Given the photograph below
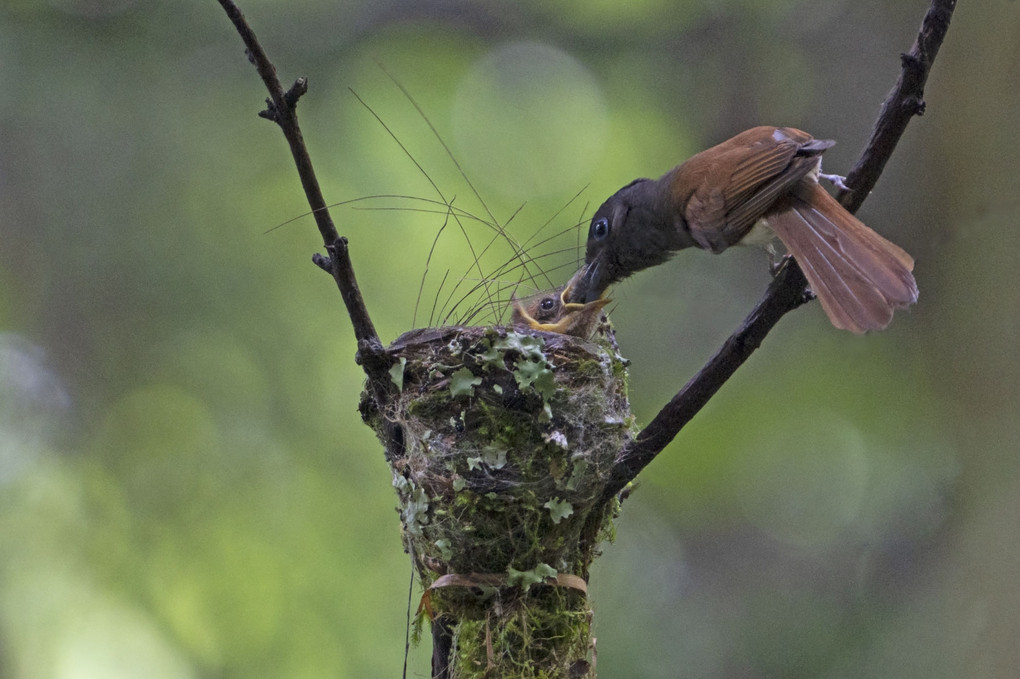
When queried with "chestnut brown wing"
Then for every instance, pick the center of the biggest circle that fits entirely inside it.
(726, 189)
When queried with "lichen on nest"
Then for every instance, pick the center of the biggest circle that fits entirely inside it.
(506, 440)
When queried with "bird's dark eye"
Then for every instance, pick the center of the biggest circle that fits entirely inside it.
(599, 229)
(547, 304)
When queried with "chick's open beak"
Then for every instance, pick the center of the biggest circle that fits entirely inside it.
(551, 311)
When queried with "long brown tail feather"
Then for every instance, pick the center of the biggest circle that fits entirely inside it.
(860, 278)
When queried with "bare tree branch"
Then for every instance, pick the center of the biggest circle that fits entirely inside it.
(901, 104)
(281, 109)
(788, 290)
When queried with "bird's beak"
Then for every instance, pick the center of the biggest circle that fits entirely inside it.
(586, 286)
(571, 293)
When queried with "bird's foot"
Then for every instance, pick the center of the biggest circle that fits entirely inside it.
(838, 181)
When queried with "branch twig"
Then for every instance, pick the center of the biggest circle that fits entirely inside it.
(787, 291)
(281, 109)
(901, 104)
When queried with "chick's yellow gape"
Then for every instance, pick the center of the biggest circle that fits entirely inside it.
(550, 311)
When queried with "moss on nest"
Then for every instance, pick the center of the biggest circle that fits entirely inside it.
(505, 442)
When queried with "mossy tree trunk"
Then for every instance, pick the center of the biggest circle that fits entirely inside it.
(501, 445)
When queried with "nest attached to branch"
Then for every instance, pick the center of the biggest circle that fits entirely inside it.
(500, 444)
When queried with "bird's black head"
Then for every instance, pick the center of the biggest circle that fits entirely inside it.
(626, 234)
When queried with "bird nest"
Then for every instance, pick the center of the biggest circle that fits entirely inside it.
(500, 444)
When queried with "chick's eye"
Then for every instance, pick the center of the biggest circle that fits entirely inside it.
(547, 304)
(599, 229)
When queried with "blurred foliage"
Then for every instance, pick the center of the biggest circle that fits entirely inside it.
(186, 489)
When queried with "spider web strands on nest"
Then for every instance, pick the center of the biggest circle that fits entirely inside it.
(500, 229)
(506, 288)
(479, 293)
(498, 307)
(522, 259)
(428, 178)
(351, 202)
(498, 302)
(515, 263)
(533, 274)
(494, 300)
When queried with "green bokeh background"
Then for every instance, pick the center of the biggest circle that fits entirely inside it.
(186, 489)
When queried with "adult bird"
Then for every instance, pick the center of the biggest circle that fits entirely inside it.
(762, 182)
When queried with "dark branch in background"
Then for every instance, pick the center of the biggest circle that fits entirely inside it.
(901, 104)
(281, 109)
(788, 290)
